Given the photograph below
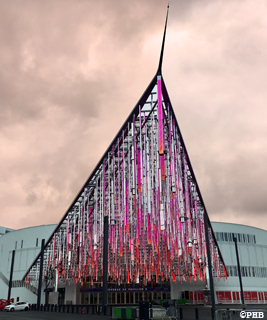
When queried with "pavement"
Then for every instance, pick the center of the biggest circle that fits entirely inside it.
(42, 315)
(204, 313)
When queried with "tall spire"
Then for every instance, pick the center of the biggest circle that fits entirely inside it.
(145, 183)
(162, 46)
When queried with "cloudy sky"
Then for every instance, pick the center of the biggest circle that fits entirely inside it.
(72, 70)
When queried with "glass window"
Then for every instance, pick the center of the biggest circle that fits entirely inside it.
(254, 238)
(228, 270)
(235, 271)
(36, 242)
(100, 298)
(239, 237)
(226, 236)
(21, 244)
(230, 237)
(109, 297)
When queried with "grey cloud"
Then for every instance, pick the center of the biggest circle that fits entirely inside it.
(71, 71)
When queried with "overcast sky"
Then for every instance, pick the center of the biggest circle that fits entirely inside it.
(72, 70)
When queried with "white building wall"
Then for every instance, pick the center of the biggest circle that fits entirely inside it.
(72, 293)
(250, 255)
(26, 246)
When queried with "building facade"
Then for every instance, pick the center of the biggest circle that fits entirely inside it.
(27, 244)
(252, 249)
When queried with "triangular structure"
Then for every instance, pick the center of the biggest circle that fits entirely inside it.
(146, 186)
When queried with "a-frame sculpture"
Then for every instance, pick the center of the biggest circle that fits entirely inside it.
(146, 186)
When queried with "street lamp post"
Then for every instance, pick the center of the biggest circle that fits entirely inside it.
(11, 275)
(40, 275)
(105, 267)
(209, 266)
(238, 268)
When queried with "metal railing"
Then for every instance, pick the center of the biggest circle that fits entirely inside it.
(19, 284)
(71, 308)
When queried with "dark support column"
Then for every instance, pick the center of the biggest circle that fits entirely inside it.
(239, 271)
(181, 313)
(40, 275)
(105, 268)
(196, 314)
(209, 266)
(11, 274)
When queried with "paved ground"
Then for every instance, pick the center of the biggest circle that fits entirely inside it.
(36, 315)
(188, 313)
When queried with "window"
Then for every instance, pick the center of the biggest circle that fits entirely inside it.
(16, 245)
(36, 242)
(257, 272)
(21, 244)
(254, 238)
(235, 271)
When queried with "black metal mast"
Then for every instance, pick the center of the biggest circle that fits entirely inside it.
(159, 71)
